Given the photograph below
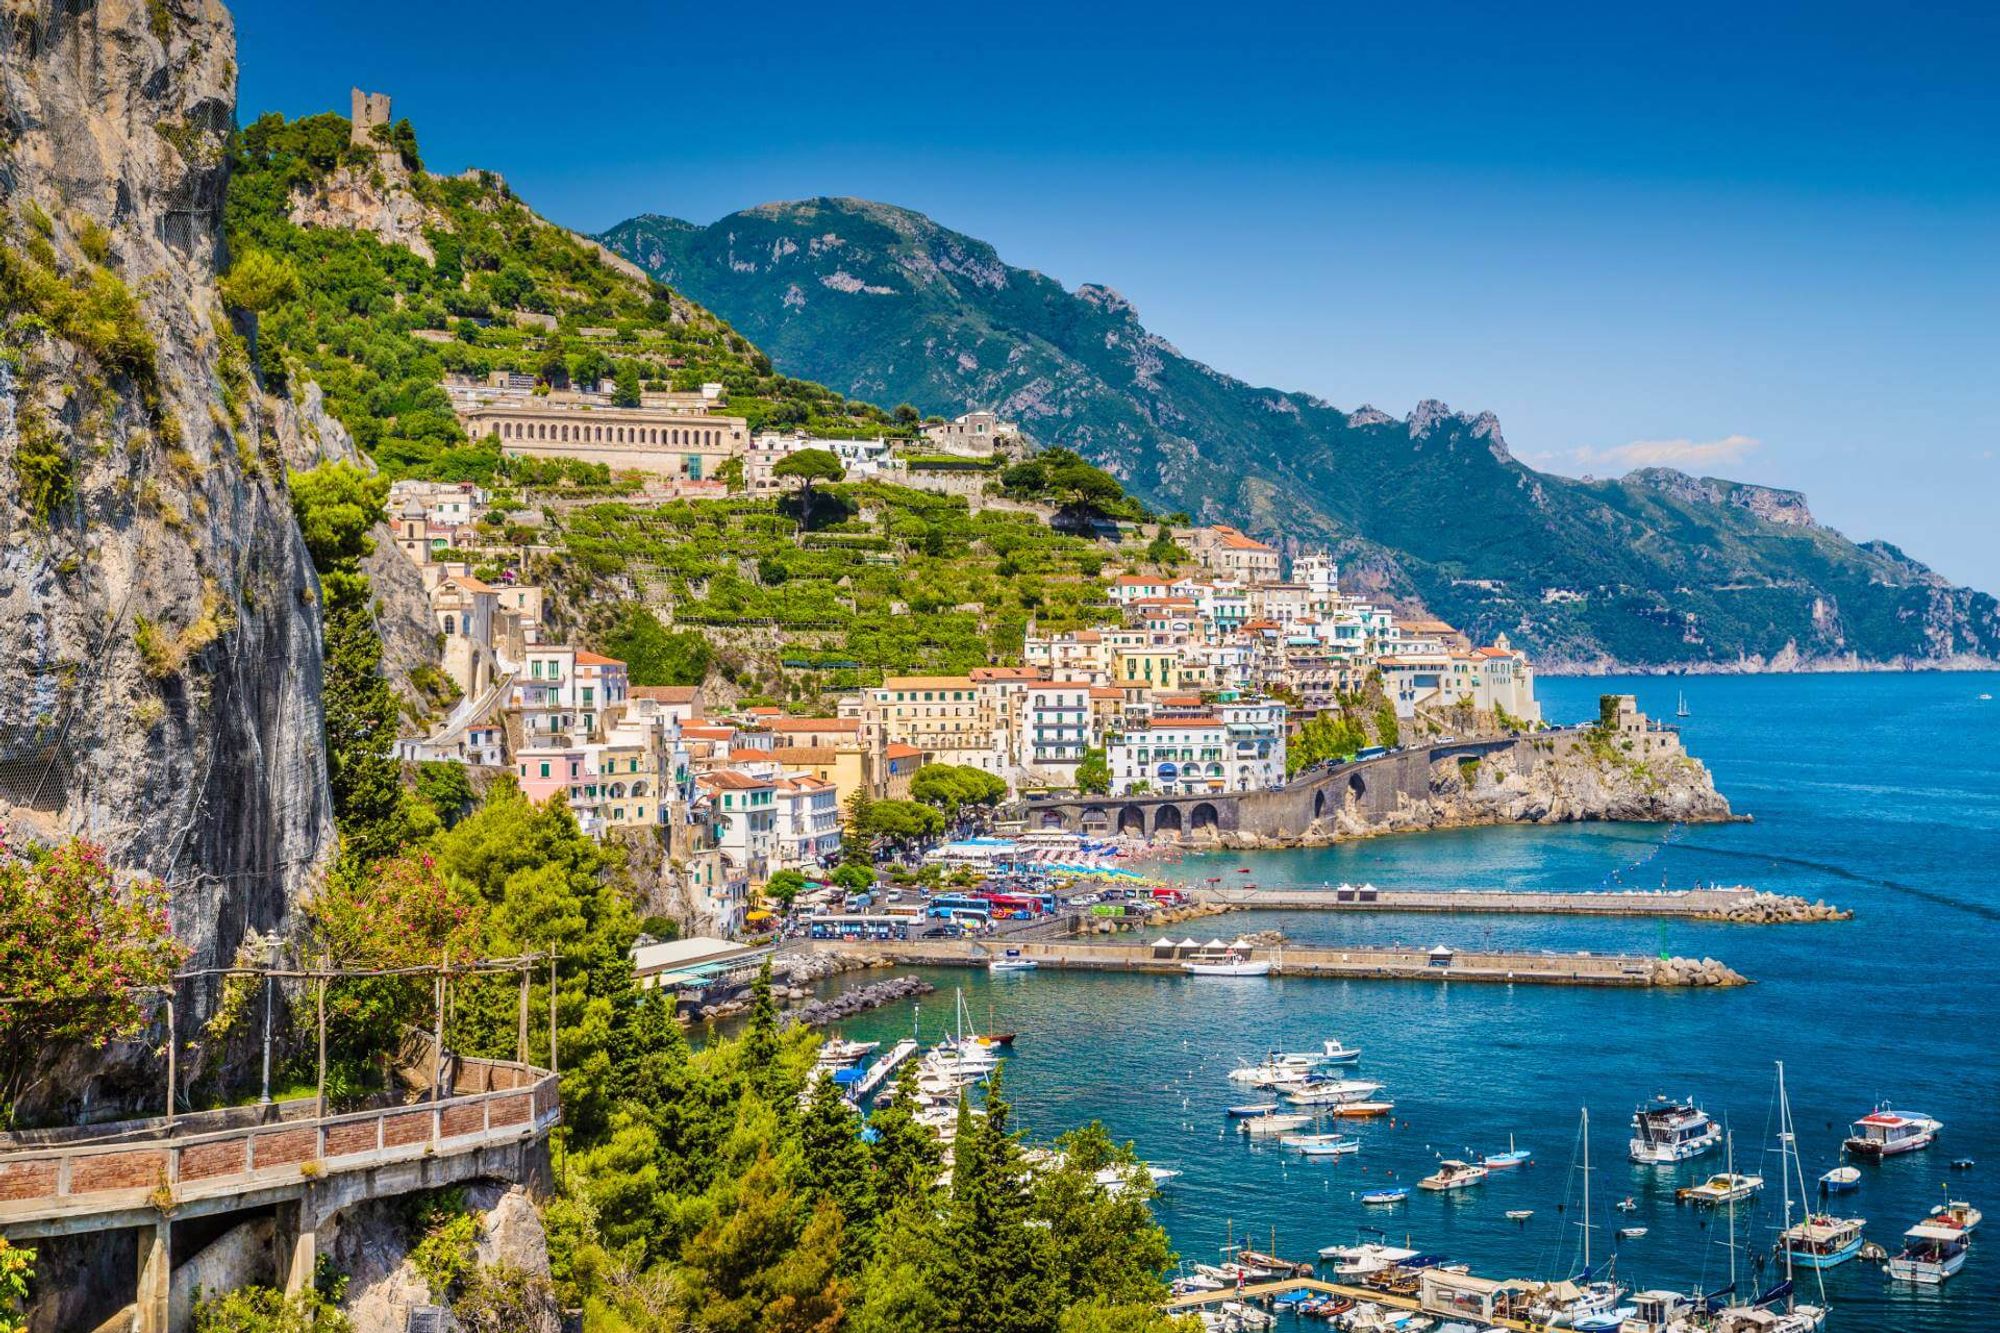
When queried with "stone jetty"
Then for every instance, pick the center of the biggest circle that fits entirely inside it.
(1695, 972)
(1775, 908)
(818, 1013)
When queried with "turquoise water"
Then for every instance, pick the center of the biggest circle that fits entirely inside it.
(1880, 793)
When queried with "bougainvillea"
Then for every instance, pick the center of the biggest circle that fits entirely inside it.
(399, 912)
(78, 953)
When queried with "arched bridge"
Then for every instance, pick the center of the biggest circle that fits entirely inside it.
(1375, 786)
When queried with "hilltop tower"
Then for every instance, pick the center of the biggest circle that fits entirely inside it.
(369, 110)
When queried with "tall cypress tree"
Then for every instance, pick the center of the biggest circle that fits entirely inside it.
(905, 1154)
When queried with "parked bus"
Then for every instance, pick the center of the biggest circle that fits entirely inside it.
(861, 926)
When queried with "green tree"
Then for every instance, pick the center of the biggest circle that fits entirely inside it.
(784, 886)
(337, 506)
(808, 467)
(625, 393)
(833, 1164)
(656, 655)
(906, 1154)
(998, 1282)
(907, 415)
(1093, 772)
(855, 876)
(259, 280)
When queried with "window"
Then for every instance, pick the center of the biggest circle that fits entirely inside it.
(545, 770)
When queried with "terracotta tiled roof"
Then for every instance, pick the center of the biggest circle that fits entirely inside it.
(667, 694)
(804, 754)
(901, 751)
(596, 659)
(785, 724)
(731, 779)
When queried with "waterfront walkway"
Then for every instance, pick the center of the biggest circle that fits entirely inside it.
(1416, 964)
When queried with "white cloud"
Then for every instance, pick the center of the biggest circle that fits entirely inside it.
(1666, 453)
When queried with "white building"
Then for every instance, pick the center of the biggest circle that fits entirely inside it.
(806, 826)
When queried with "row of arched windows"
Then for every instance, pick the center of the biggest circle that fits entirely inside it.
(564, 432)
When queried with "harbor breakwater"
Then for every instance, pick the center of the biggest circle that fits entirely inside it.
(1390, 963)
(1736, 904)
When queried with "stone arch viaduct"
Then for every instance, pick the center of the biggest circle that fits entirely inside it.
(1376, 786)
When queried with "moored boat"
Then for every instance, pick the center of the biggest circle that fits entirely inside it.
(1231, 964)
(1821, 1240)
(1453, 1174)
(1396, 1194)
(1012, 961)
(1367, 1257)
(1665, 1131)
(1723, 1187)
(1332, 1091)
(1505, 1161)
(1631, 1233)
(1321, 1145)
(1248, 1109)
(1956, 1213)
(1840, 1180)
(1884, 1132)
(1930, 1254)
(1279, 1123)
(1519, 1214)
(1360, 1110)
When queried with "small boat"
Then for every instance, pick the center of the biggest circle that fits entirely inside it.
(1332, 1091)
(1360, 1110)
(1453, 1174)
(1665, 1131)
(1631, 1233)
(1628, 1204)
(1519, 1214)
(1930, 1254)
(1269, 1074)
(1840, 1180)
(1504, 1161)
(1248, 1109)
(1726, 1187)
(1957, 1213)
(1821, 1241)
(1321, 1145)
(1272, 1124)
(1396, 1195)
(1011, 962)
(1887, 1133)
(1961, 1163)
(1369, 1257)
(838, 1052)
(1681, 707)
(1230, 967)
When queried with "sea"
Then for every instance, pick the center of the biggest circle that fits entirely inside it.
(1876, 792)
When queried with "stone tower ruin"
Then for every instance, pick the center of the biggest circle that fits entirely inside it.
(369, 110)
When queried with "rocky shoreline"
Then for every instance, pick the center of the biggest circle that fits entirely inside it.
(1696, 972)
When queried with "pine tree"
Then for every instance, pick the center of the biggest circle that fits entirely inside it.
(999, 1281)
(833, 1165)
(906, 1154)
(760, 1040)
(361, 720)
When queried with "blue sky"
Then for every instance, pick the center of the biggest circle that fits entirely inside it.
(1755, 241)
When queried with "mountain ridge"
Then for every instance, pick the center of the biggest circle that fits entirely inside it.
(1658, 569)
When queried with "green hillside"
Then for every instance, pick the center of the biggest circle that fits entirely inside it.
(1657, 568)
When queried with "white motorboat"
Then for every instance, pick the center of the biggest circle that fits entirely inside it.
(1011, 963)
(1231, 966)
(1957, 1213)
(1323, 1091)
(1270, 1074)
(1930, 1254)
(1115, 1180)
(1321, 1145)
(1356, 1260)
(1453, 1174)
(1260, 1126)
(838, 1052)
(1330, 1052)
(1886, 1133)
(1724, 1187)
(1665, 1131)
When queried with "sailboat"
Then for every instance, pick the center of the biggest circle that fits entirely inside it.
(1764, 1314)
(1681, 708)
(1585, 1302)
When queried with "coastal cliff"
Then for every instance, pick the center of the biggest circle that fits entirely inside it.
(160, 681)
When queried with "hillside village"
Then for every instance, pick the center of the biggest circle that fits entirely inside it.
(1194, 681)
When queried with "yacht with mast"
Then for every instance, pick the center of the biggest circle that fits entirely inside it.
(1585, 1302)
(1779, 1309)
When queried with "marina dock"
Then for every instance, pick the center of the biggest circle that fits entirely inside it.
(879, 1072)
(1264, 1291)
(1737, 903)
(1396, 964)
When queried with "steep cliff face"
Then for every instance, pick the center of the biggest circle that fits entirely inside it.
(159, 624)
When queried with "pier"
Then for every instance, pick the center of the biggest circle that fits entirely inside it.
(878, 1073)
(1735, 904)
(1379, 964)
(1266, 1291)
